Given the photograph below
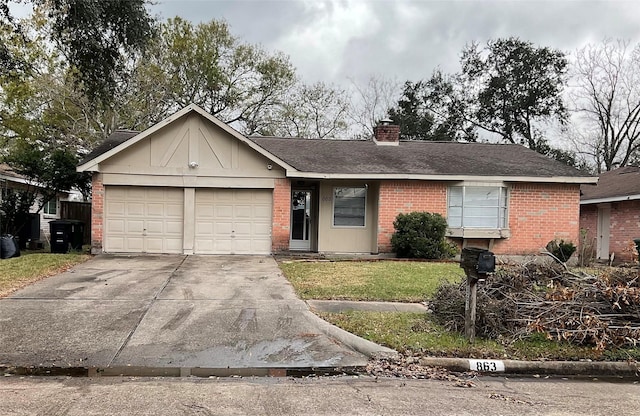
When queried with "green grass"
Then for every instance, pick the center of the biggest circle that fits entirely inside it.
(380, 280)
(21, 271)
(417, 333)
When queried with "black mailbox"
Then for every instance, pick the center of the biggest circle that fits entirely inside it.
(477, 261)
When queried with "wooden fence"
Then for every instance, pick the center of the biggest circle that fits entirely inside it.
(73, 210)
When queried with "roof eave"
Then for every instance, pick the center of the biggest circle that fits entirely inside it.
(610, 199)
(434, 177)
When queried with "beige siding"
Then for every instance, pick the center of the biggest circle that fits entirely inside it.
(346, 239)
(194, 151)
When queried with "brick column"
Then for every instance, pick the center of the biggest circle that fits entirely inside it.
(97, 212)
(281, 220)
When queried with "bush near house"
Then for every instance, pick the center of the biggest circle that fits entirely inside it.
(421, 235)
(562, 250)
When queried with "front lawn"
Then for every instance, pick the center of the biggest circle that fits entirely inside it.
(397, 281)
(418, 333)
(21, 271)
(413, 333)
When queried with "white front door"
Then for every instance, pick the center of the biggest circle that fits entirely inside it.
(604, 216)
(300, 220)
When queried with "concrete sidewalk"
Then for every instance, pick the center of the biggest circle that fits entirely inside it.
(336, 306)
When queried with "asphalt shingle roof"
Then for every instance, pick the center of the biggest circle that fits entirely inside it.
(414, 157)
(117, 137)
(616, 183)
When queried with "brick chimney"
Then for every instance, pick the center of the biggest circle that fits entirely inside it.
(386, 134)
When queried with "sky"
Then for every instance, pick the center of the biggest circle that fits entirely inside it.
(337, 40)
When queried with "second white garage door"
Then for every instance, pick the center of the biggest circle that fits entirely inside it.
(233, 221)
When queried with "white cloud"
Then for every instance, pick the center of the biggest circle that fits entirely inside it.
(317, 43)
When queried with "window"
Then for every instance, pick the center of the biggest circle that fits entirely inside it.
(477, 207)
(349, 205)
(51, 207)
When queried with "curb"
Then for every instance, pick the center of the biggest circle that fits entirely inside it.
(531, 368)
(361, 345)
(135, 371)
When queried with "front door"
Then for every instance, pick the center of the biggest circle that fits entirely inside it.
(604, 222)
(300, 220)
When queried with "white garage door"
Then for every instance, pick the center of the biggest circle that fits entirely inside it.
(233, 221)
(143, 219)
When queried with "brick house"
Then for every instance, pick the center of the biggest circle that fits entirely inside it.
(610, 213)
(191, 184)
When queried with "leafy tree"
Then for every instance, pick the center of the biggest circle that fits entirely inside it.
(508, 88)
(48, 169)
(206, 65)
(607, 101)
(44, 101)
(518, 87)
(91, 33)
(310, 111)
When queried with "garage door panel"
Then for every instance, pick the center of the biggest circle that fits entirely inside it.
(143, 219)
(134, 244)
(155, 210)
(115, 226)
(116, 208)
(240, 222)
(174, 227)
(174, 210)
(223, 211)
(262, 230)
(222, 228)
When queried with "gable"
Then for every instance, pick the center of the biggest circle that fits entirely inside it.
(190, 145)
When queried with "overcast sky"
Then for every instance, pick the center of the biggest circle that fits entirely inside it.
(404, 39)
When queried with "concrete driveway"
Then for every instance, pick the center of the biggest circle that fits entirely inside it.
(170, 311)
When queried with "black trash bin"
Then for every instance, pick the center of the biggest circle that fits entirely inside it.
(66, 235)
(637, 241)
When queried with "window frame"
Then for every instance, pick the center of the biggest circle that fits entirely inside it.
(333, 206)
(502, 217)
(46, 207)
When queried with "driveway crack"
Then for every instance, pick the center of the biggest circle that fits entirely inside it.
(144, 313)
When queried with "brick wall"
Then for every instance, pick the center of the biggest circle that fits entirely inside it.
(97, 212)
(624, 228)
(406, 196)
(281, 222)
(539, 213)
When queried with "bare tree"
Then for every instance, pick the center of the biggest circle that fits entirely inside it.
(371, 102)
(315, 111)
(607, 102)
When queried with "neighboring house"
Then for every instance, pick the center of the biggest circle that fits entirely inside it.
(610, 213)
(10, 182)
(192, 184)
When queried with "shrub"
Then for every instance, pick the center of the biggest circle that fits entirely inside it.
(563, 250)
(421, 235)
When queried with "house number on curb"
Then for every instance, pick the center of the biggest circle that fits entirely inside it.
(486, 366)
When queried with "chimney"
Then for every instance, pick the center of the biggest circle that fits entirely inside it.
(386, 134)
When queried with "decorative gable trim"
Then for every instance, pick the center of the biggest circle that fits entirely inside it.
(93, 164)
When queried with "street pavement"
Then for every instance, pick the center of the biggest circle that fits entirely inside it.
(314, 396)
(182, 312)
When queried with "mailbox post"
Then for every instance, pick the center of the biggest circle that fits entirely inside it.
(477, 263)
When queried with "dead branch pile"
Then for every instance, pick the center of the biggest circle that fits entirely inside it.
(600, 310)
